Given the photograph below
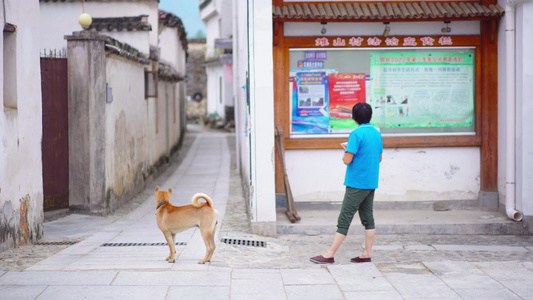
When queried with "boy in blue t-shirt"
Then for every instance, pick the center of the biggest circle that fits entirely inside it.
(362, 156)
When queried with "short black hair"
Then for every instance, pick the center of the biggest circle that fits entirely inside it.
(362, 113)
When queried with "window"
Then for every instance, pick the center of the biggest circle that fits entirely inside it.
(412, 91)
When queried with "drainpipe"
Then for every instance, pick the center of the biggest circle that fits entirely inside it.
(510, 163)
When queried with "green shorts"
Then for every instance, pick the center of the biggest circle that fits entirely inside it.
(356, 200)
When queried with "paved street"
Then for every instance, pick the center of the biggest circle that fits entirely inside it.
(120, 256)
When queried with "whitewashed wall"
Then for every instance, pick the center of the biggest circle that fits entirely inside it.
(524, 107)
(262, 114)
(171, 51)
(21, 183)
(165, 112)
(139, 40)
(240, 68)
(127, 128)
(210, 17)
(215, 89)
(417, 174)
(140, 133)
(61, 18)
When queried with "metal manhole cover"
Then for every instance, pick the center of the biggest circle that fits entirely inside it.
(243, 242)
(139, 244)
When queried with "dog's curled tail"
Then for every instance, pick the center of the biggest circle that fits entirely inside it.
(199, 196)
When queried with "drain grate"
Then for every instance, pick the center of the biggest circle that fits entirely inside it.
(243, 242)
(55, 243)
(139, 244)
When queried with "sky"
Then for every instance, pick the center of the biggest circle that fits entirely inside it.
(188, 12)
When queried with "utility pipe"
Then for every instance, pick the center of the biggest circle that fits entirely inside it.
(510, 160)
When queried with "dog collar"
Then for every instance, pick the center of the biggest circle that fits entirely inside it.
(161, 204)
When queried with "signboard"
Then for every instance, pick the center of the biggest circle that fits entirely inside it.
(422, 90)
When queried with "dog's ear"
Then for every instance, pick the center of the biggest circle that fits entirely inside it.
(157, 189)
(169, 190)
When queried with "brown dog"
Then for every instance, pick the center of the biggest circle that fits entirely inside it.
(174, 219)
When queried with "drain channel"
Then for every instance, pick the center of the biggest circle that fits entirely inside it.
(55, 243)
(139, 244)
(243, 242)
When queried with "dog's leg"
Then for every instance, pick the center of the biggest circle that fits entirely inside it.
(170, 241)
(207, 235)
(174, 242)
(213, 246)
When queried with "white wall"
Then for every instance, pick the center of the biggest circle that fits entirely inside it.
(127, 127)
(139, 40)
(61, 18)
(524, 107)
(413, 174)
(240, 68)
(140, 133)
(215, 76)
(21, 183)
(171, 51)
(262, 111)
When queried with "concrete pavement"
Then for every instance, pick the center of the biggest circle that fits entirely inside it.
(120, 256)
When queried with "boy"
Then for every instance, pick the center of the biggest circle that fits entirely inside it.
(362, 156)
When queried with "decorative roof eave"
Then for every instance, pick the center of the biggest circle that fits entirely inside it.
(136, 23)
(386, 12)
(125, 50)
(171, 20)
(166, 72)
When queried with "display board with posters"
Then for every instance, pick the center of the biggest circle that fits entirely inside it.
(422, 90)
(411, 91)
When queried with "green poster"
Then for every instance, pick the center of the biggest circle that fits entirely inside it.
(422, 90)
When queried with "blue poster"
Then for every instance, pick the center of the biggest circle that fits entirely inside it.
(310, 103)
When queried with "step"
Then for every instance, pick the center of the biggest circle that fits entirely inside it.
(405, 221)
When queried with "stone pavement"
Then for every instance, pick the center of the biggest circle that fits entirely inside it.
(132, 264)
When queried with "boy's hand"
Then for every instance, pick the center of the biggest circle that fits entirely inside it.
(344, 145)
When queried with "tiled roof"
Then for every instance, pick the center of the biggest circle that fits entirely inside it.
(385, 11)
(98, 0)
(171, 20)
(167, 73)
(138, 23)
(125, 50)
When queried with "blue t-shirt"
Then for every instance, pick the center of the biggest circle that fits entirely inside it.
(366, 145)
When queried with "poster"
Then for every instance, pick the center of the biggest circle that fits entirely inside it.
(310, 102)
(345, 90)
(422, 90)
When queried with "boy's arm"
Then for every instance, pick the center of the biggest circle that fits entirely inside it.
(347, 158)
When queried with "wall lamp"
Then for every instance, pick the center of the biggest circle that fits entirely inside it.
(386, 30)
(446, 28)
(324, 30)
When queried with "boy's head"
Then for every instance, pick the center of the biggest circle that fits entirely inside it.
(362, 113)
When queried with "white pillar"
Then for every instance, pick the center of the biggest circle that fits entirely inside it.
(262, 191)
